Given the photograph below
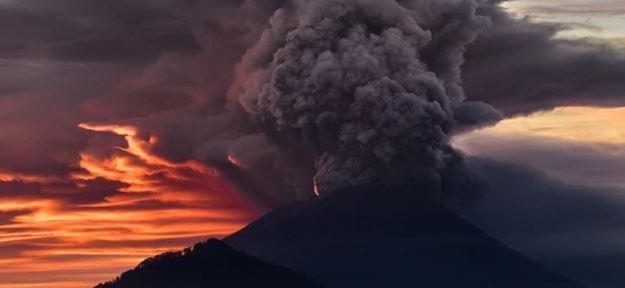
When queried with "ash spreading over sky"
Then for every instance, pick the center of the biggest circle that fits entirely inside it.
(369, 92)
(342, 92)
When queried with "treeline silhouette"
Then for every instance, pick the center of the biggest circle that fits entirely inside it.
(210, 264)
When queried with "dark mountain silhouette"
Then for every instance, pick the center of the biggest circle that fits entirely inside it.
(358, 238)
(353, 238)
(211, 264)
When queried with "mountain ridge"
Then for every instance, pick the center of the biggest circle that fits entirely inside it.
(211, 263)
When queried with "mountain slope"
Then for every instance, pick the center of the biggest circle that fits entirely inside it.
(209, 264)
(395, 239)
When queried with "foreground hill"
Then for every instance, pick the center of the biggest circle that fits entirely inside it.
(393, 239)
(211, 264)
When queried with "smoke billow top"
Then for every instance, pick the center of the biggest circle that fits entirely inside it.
(366, 90)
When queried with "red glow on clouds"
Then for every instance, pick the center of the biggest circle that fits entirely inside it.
(316, 188)
(160, 205)
(236, 162)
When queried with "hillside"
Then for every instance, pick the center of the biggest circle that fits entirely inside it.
(209, 264)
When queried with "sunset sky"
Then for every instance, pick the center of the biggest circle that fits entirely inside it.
(119, 205)
(110, 152)
(575, 143)
(600, 18)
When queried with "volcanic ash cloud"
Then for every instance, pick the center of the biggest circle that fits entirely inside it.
(366, 89)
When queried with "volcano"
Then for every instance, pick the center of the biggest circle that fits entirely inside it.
(364, 238)
(367, 238)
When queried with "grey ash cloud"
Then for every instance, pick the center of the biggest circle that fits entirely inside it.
(367, 88)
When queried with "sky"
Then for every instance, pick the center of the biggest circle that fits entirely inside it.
(595, 19)
(579, 144)
(115, 209)
(571, 143)
(115, 145)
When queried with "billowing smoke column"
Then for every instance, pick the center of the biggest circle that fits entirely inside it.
(366, 90)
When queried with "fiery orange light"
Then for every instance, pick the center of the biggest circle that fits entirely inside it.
(141, 148)
(316, 188)
(18, 177)
(163, 205)
(236, 162)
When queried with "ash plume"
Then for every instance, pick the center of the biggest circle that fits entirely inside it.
(302, 102)
(366, 91)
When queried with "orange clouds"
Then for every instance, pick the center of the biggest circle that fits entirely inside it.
(156, 205)
(141, 148)
(18, 177)
(136, 166)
